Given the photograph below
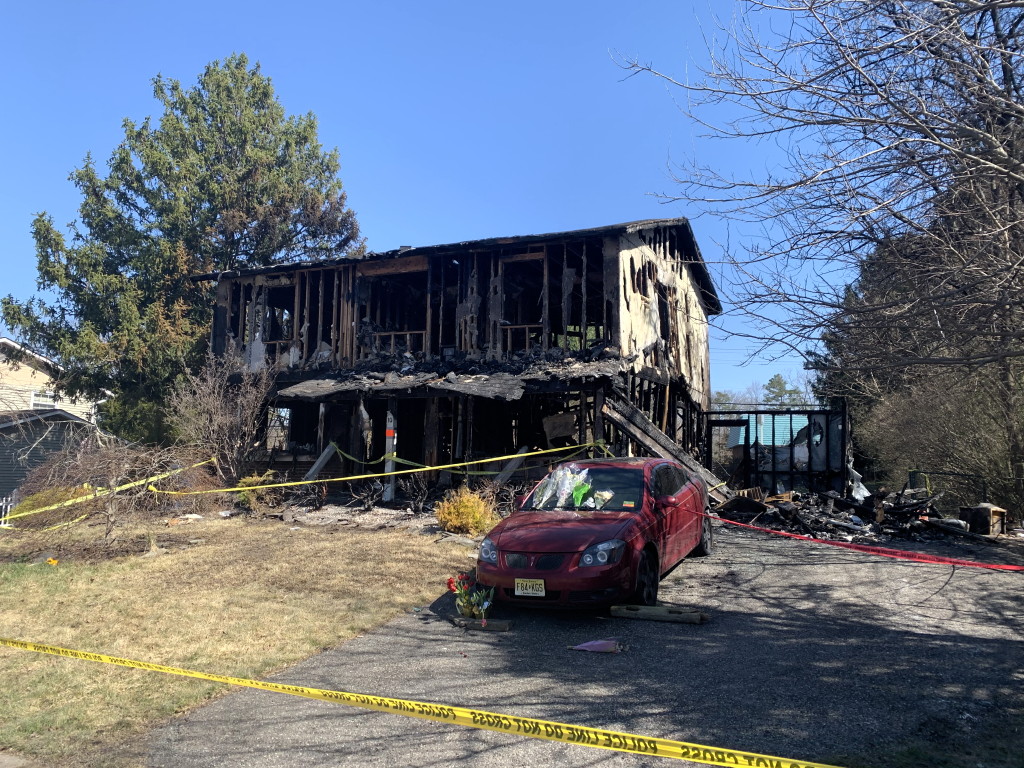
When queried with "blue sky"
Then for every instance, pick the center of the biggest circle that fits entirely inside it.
(453, 120)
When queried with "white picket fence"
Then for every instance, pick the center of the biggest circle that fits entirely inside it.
(6, 503)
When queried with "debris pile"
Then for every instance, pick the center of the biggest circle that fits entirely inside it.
(909, 514)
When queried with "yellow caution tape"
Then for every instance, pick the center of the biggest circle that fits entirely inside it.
(350, 457)
(474, 718)
(394, 457)
(69, 523)
(97, 493)
(424, 467)
(370, 475)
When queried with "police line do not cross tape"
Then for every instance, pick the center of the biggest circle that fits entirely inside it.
(474, 718)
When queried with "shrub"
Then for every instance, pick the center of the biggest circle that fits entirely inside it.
(220, 411)
(465, 511)
(255, 499)
(48, 498)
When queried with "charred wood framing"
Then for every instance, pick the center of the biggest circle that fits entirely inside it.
(781, 450)
(482, 347)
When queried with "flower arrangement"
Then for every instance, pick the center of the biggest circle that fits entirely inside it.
(471, 599)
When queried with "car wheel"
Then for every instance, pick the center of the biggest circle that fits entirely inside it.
(647, 579)
(706, 545)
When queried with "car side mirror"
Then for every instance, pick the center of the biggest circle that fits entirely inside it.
(666, 501)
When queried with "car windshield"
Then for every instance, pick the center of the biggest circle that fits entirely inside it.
(572, 487)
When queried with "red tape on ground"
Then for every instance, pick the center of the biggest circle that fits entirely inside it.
(898, 554)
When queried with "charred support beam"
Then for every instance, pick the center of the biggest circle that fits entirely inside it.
(510, 467)
(665, 398)
(546, 320)
(599, 415)
(302, 324)
(430, 434)
(581, 436)
(362, 431)
(320, 463)
(428, 338)
(321, 439)
(459, 452)
(583, 305)
(220, 318)
(632, 421)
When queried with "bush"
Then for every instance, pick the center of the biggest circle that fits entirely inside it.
(48, 498)
(255, 499)
(221, 411)
(465, 511)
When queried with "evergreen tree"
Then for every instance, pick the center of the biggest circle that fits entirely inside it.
(223, 180)
(778, 392)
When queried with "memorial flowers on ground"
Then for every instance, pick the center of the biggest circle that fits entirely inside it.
(471, 600)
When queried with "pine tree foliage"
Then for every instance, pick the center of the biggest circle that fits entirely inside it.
(779, 392)
(223, 179)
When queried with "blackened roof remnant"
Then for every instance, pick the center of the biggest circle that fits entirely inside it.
(688, 245)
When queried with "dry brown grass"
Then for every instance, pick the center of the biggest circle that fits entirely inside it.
(244, 599)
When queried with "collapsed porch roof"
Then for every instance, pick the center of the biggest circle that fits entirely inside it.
(496, 386)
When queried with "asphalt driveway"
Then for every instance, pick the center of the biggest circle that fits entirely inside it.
(812, 653)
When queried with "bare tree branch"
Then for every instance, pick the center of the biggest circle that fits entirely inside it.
(896, 209)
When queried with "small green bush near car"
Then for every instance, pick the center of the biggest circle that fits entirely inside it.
(465, 511)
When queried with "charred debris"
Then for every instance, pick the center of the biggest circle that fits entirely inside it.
(909, 514)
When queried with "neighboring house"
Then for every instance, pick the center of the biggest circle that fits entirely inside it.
(27, 384)
(34, 422)
(29, 438)
(480, 348)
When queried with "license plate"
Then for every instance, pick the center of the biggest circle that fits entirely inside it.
(530, 587)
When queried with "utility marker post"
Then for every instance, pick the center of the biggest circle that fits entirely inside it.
(390, 446)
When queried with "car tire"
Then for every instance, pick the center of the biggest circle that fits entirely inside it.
(706, 545)
(647, 578)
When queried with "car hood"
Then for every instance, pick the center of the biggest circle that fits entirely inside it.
(532, 531)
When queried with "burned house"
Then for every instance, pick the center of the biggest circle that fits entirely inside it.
(476, 349)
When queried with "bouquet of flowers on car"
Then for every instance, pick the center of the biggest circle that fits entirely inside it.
(471, 599)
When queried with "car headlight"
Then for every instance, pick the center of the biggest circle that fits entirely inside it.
(488, 551)
(605, 553)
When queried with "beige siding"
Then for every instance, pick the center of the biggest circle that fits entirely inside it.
(24, 387)
(662, 321)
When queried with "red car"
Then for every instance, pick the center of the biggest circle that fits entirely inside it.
(597, 532)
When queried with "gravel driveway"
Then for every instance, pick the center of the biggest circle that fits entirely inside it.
(812, 653)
